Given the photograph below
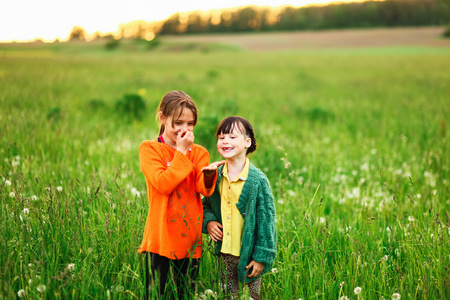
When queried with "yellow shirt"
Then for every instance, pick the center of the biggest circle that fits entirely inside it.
(232, 220)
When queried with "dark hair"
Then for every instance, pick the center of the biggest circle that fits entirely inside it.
(172, 104)
(228, 124)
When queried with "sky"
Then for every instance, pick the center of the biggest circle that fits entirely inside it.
(25, 20)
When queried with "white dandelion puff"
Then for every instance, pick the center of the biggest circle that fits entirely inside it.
(385, 258)
(41, 288)
(71, 267)
(388, 229)
(321, 220)
(209, 292)
(274, 270)
(357, 290)
(119, 289)
(26, 211)
(21, 293)
(344, 298)
(135, 192)
(411, 218)
(34, 198)
(12, 195)
(59, 188)
(7, 183)
(395, 296)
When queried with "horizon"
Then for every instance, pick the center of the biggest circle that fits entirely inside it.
(94, 16)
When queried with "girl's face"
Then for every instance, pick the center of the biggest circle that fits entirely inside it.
(173, 127)
(233, 145)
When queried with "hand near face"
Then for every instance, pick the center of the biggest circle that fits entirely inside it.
(184, 141)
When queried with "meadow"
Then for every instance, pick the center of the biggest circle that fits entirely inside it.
(353, 140)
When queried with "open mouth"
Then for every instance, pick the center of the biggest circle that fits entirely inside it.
(227, 148)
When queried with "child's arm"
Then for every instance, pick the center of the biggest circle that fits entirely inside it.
(209, 217)
(205, 181)
(165, 176)
(209, 173)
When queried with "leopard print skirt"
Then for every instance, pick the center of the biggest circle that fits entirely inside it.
(228, 265)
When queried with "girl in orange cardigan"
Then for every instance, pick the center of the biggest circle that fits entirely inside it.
(177, 172)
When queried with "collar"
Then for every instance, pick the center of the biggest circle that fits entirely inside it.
(242, 176)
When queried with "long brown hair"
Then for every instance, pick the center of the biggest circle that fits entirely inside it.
(172, 105)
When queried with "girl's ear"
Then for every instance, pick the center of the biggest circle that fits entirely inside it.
(248, 142)
(161, 117)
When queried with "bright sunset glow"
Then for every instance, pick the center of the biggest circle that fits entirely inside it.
(24, 20)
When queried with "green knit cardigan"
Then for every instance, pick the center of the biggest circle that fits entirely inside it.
(259, 237)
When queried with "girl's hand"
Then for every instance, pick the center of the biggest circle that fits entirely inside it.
(208, 170)
(215, 230)
(184, 141)
(257, 268)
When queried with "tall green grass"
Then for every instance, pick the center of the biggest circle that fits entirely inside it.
(354, 143)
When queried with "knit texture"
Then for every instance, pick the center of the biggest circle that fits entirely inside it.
(174, 184)
(259, 237)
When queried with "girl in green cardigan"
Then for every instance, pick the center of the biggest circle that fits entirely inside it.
(240, 215)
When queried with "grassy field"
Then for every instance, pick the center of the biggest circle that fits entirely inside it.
(354, 142)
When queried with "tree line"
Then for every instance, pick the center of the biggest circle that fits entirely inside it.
(389, 13)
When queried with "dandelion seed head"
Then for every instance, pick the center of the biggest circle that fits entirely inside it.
(343, 298)
(388, 229)
(26, 211)
(321, 220)
(411, 218)
(7, 183)
(71, 267)
(12, 195)
(396, 296)
(357, 290)
(41, 288)
(59, 188)
(385, 258)
(21, 293)
(34, 198)
(274, 270)
(209, 292)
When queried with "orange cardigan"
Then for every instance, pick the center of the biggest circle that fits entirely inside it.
(174, 184)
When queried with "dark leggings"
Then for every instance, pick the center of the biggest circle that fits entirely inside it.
(184, 271)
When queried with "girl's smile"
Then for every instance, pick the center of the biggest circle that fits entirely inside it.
(233, 145)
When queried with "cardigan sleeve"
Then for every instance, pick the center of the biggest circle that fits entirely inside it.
(156, 170)
(266, 236)
(208, 213)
